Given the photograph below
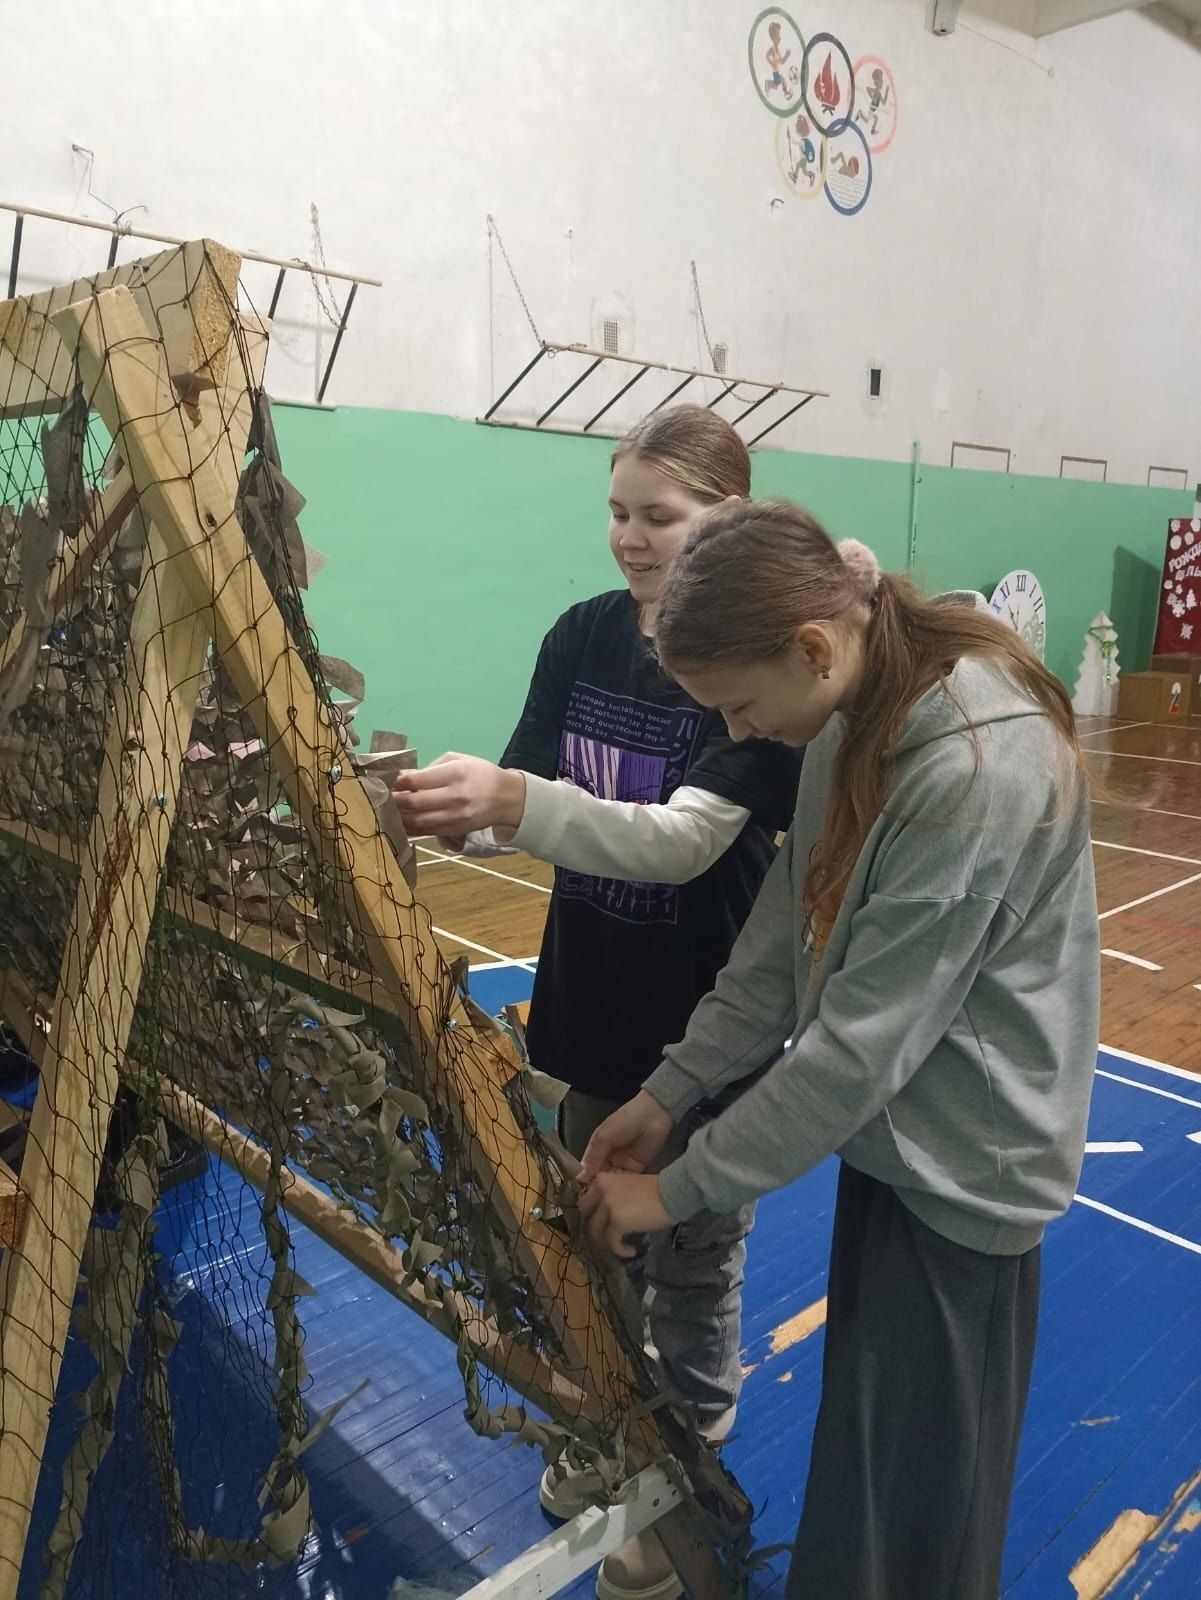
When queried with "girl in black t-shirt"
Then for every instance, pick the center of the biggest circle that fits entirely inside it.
(661, 829)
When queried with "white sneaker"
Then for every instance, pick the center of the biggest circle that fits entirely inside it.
(640, 1570)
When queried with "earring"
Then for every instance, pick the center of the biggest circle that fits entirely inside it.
(826, 674)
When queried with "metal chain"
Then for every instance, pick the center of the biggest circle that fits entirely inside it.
(494, 233)
(334, 316)
(700, 312)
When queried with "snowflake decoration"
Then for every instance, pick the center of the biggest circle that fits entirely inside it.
(1177, 607)
(1186, 632)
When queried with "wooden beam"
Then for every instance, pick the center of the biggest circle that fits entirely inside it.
(121, 867)
(464, 1071)
(186, 295)
(529, 1373)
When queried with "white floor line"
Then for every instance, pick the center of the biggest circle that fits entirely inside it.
(1156, 811)
(1102, 733)
(474, 866)
(505, 961)
(1121, 1147)
(1128, 755)
(1154, 895)
(1156, 1066)
(1137, 1222)
(470, 944)
(1148, 1088)
(1160, 855)
(1134, 961)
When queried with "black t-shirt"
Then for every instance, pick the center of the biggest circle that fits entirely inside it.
(624, 964)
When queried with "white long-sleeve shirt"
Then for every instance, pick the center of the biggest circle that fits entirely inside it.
(670, 843)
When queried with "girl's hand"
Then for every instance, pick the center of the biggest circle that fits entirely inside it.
(629, 1140)
(457, 795)
(617, 1204)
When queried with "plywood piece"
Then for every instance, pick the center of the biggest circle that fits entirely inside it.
(186, 294)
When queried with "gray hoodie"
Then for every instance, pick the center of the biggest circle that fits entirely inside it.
(946, 1040)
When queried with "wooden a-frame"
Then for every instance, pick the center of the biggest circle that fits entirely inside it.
(200, 582)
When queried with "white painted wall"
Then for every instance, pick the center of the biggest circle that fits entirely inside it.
(1026, 268)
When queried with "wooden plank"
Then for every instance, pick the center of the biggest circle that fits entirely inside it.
(529, 1373)
(121, 866)
(465, 1071)
(186, 295)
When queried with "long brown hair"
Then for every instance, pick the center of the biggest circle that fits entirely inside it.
(752, 573)
(694, 448)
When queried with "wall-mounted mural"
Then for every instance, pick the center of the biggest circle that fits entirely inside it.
(834, 115)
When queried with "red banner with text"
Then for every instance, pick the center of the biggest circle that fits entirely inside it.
(1176, 633)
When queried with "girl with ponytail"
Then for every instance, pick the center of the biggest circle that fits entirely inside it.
(925, 953)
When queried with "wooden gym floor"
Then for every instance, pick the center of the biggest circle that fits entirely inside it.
(1108, 1495)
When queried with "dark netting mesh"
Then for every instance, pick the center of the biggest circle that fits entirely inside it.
(209, 942)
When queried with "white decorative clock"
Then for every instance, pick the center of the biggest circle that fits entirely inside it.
(1018, 600)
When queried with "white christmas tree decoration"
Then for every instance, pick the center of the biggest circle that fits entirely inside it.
(1097, 683)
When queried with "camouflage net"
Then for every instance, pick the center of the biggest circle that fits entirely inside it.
(259, 1025)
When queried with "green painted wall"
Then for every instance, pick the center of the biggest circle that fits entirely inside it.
(452, 548)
